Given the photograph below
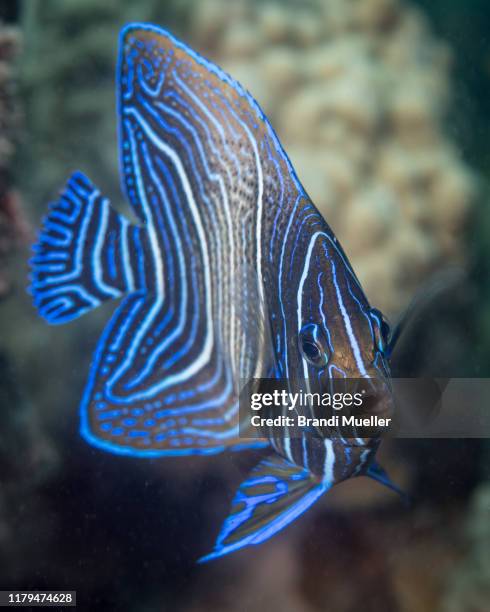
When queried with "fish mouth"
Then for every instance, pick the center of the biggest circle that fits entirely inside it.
(366, 423)
(377, 396)
(378, 405)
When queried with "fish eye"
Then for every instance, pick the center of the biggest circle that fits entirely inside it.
(310, 350)
(310, 345)
(382, 331)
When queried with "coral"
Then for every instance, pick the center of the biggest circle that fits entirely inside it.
(358, 93)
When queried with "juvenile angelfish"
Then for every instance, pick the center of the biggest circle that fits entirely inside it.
(231, 273)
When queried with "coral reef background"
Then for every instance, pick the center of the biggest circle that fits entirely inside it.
(383, 108)
(371, 148)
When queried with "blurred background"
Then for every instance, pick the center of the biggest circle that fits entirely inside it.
(383, 107)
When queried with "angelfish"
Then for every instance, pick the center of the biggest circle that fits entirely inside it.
(230, 274)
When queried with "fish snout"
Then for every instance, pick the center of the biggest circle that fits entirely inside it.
(380, 405)
(372, 415)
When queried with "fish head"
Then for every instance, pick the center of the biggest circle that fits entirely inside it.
(340, 338)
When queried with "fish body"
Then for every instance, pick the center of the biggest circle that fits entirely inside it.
(230, 274)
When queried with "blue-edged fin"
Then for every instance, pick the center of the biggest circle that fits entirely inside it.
(376, 472)
(275, 493)
(152, 392)
(83, 255)
(161, 381)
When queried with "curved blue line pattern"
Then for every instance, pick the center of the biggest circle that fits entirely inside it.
(275, 493)
(230, 262)
(84, 254)
(165, 374)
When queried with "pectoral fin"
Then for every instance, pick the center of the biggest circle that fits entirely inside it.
(376, 472)
(275, 493)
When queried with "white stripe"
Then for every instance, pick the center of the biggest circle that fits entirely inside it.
(348, 325)
(260, 185)
(328, 467)
(362, 460)
(300, 293)
(283, 248)
(128, 271)
(99, 242)
(305, 450)
(287, 447)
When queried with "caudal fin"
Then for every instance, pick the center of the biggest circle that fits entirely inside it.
(86, 253)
